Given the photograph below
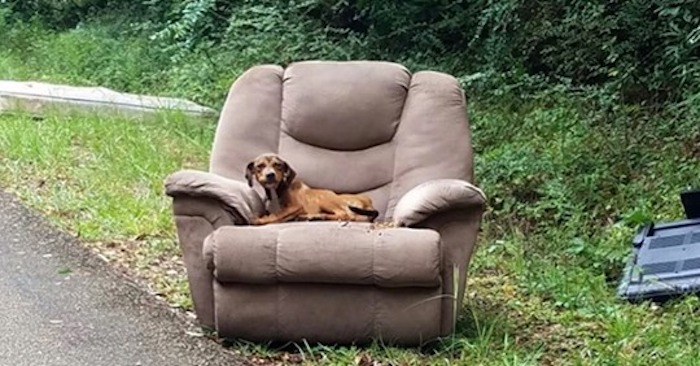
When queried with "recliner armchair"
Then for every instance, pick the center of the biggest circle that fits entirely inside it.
(356, 127)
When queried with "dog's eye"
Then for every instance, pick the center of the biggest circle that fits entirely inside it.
(259, 166)
(277, 164)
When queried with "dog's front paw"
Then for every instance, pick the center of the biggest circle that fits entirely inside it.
(258, 221)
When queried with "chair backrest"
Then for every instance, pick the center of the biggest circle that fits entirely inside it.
(350, 126)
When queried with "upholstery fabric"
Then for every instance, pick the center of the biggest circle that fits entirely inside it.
(235, 194)
(386, 129)
(365, 112)
(339, 253)
(328, 313)
(195, 219)
(353, 127)
(433, 139)
(249, 122)
(435, 196)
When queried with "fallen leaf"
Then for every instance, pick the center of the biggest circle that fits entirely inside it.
(194, 334)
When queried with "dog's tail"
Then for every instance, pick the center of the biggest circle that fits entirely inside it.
(372, 214)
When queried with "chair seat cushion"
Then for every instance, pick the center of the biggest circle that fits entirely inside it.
(325, 252)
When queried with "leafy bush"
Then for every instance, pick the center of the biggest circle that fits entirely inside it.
(61, 14)
(644, 50)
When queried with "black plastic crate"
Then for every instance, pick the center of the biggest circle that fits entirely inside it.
(665, 262)
(691, 203)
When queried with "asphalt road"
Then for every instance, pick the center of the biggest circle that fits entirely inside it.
(59, 305)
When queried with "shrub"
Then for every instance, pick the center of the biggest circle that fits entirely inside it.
(643, 51)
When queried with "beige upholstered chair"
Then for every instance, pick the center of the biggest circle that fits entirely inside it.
(360, 126)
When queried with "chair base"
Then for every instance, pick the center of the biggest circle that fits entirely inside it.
(328, 313)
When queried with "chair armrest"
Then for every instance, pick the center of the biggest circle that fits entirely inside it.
(203, 202)
(454, 209)
(235, 196)
(435, 196)
(458, 230)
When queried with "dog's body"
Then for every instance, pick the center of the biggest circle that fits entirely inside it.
(297, 201)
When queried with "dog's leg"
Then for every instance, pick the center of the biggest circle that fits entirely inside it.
(341, 216)
(370, 214)
(285, 214)
(315, 217)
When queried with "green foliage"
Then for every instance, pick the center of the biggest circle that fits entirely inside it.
(169, 61)
(64, 14)
(101, 178)
(85, 56)
(637, 44)
(567, 188)
(647, 50)
(567, 148)
(259, 31)
(642, 51)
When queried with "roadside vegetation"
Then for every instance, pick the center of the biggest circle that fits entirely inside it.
(586, 124)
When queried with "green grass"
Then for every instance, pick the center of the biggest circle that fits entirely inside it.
(102, 180)
(98, 55)
(569, 178)
(542, 282)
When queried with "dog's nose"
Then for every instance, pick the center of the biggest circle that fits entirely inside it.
(270, 176)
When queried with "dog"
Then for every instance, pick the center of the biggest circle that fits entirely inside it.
(289, 199)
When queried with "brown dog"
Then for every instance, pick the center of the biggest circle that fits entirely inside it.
(297, 201)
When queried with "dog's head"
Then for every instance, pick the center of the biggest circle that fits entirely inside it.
(270, 170)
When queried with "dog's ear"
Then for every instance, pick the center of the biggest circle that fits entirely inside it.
(289, 173)
(249, 174)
